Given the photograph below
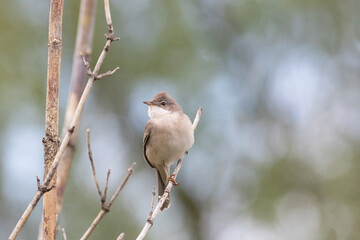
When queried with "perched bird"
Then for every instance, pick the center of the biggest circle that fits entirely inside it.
(168, 136)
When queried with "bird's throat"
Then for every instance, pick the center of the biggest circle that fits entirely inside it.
(155, 111)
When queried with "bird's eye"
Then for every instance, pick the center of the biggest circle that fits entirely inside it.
(163, 103)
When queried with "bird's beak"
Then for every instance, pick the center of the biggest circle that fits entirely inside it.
(148, 103)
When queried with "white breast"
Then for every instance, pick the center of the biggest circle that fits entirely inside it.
(173, 137)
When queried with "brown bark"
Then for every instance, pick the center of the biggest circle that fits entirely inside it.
(94, 75)
(84, 39)
(51, 140)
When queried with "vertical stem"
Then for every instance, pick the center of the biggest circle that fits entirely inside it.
(51, 140)
(84, 40)
(66, 139)
(108, 16)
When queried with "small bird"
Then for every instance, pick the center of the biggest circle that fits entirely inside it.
(168, 136)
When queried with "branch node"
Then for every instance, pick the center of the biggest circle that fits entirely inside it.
(105, 207)
(87, 65)
(55, 41)
(43, 188)
(52, 138)
(150, 221)
(71, 129)
(49, 188)
(110, 36)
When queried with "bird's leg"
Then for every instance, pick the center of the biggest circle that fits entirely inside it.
(170, 177)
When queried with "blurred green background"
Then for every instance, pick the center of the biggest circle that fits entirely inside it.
(276, 154)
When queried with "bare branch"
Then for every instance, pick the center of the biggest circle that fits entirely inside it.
(63, 233)
(152, 203)
(42, 188)
(153, 215)
(25, 215)
(108, 16)
(105, 208)
(197, 118)
(108, 73)
(121, 236)
(101, 195)
(74, 123)
(86, 64)
(38, 182)
(150, 220)
(92, 163)
(106, 187)
(94, 74)
(109, 36)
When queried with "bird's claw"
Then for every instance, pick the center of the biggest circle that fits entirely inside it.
(172, 179)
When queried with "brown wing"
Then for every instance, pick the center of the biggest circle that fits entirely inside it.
(146, 138)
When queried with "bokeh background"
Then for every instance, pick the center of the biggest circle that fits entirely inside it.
(277, 151)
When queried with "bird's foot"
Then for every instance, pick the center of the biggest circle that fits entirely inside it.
(172, 179)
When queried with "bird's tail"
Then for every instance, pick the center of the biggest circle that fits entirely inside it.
(162, 183)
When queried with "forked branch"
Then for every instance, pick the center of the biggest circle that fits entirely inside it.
(105, 206)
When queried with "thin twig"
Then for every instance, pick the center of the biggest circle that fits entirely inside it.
(121, 236)
(153, 215)
(152, 203)
(150, 221)
(74, 123)
(108, 73)
(106, 186)
(92, 162)
(63, 233)
(86, 64)
(108, 16)
(105, 208)
(197, 118)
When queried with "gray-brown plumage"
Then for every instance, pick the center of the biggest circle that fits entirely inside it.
(167, 136)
